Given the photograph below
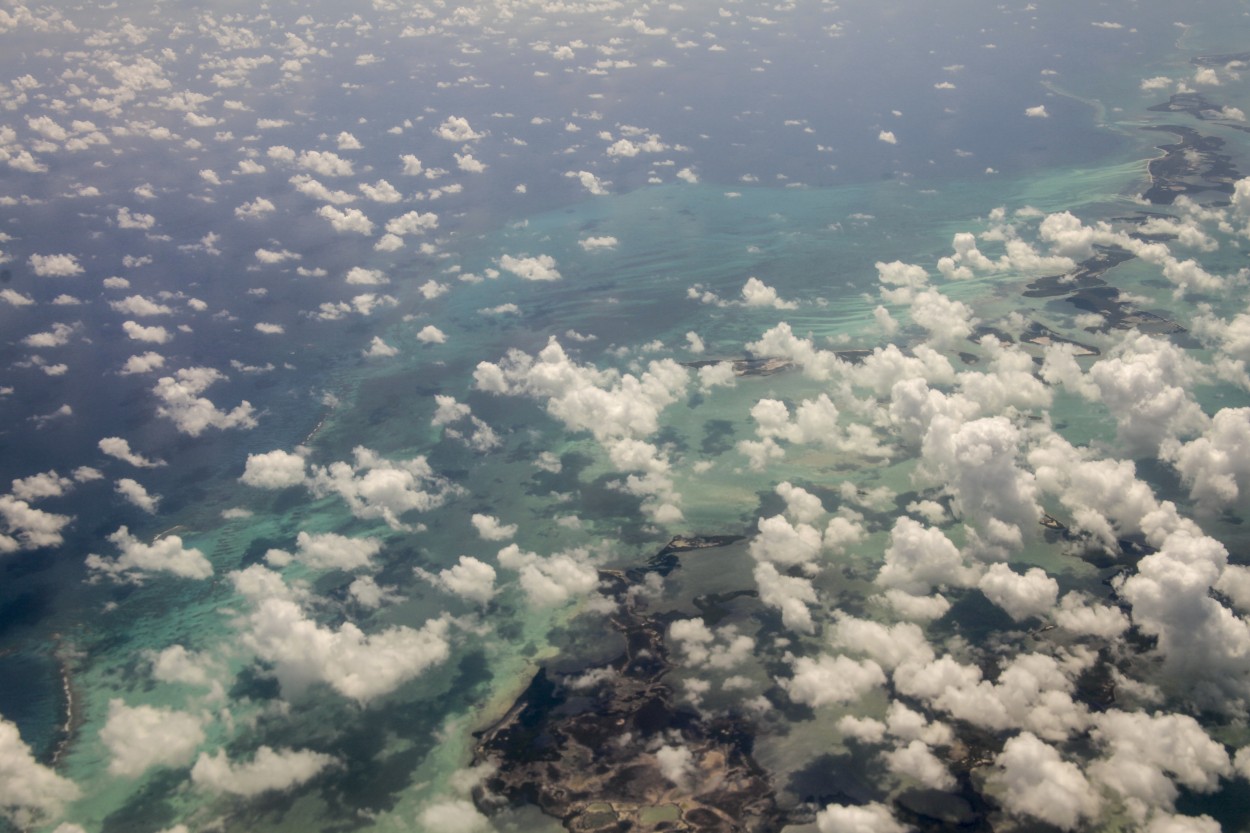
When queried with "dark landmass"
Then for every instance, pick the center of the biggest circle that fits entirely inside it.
(666, 560)
(1195, 104)
(761, 367)
(756, 366)
(1120, 314)
(1043, 336)
(1051, 522)
(1089, 273)
(587, 754)
(983, 330)
(1191, 166)
(749, 366)
(1087, 290)
(1128, 550)
(1198, 106)
(1216, 61)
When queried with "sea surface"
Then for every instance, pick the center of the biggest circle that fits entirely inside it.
(815, 141)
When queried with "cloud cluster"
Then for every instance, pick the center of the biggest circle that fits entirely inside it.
(193, 414)
(371, 486)
(136, 560)
(269, 770)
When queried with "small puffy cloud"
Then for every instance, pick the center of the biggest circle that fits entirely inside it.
(1038, 112)
(829, 679)
(1207, 76)
(607, 404)
(790, 594)
(355, 664)
(135, 559)
(310, 187)
(888, 137)
(271, 256)
(412, 165)
(590, 182)
(468, 578)
(1144, 382)
(363, 304)
(347, 141)
(755, 293)
(28, 528)
(140, 737)
(1148, 755)
(490, 529)
(676, 763)
(119, 447)
(58, 266)
(269, 771)
(176, 664)
(918, 608)
(367, 593)
(414, 222)
(466, 162)
(351, 220)
(919, 558)
(134, 492)
(329, 551)
(888, 645)
(457, 129)
(258, 207)
(191, 413)
(140, 306)
(591, 244)
(374, 487)
(325, 163)
(134, 221)
(1032, 692)
(381, 191)
(379, 349)
(701, 647)
(917, 762)
(58, 335)
(688, 175)
(274, 470)
(268, 328)
(43, 485)
(29, 791)
(359, 276)
(1215, 466)
(552, 580)
(864, 818)
(149, 335)
(1021, 596)
(779, 542)
(1082, 615)
(430, 334)
(540, 268)
(1037, 782)
(15, 298)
